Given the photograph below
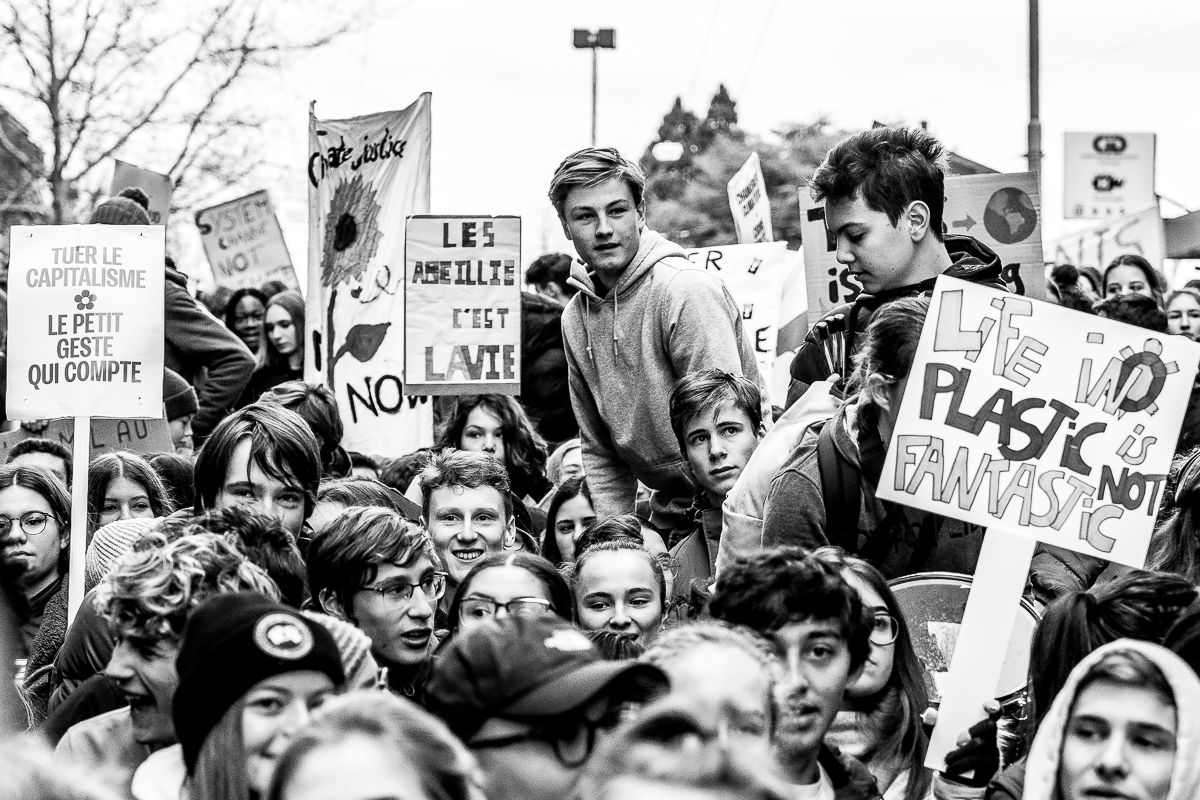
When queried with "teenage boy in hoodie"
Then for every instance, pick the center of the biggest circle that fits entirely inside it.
(884, 192)
(641, 320)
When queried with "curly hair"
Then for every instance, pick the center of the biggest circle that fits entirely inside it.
(266, 545)
(109, 467)
(346, 555)
(150, 591)
(524, 448)
(411, 737)
(768, 589)
(462, 468)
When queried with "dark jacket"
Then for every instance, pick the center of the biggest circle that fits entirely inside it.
(265, 379)
(972, 261)
(206, 353)
(545, 392)
(1009, 783)
(850, 779)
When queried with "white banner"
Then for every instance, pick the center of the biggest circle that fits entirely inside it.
(1140, 234)
(87, 301)
(1047, 422)
(749, 204)
(1108, 174)
(755, 275)
(156, 185)
(244, 243)
(829, 283)
(1004, 212)
(462, 305)
(366, 176)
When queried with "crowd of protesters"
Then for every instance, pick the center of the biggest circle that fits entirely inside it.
(635, 580)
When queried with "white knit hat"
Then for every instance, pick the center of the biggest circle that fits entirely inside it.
(108, 544)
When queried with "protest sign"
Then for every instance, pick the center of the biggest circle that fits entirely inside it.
(829, 283)
(366, 176)
(1043, 424)
(1140, 233)
(156, 186)
(755, 275)
(1004, 212)
(108, 436)
(244, 243)
(1108, 174)
(462, 305)
(749, 204)
(88, 303)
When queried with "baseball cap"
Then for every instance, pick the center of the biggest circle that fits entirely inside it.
(528, 669)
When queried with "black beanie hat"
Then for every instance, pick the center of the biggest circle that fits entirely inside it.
(178, 395)
(232, 642)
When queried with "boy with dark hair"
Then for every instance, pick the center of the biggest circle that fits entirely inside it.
(549, 275)
(643, 318)
(317, 406)
(380, 572)
(717, 420)
(545, 392)
(43, 453)
(264, 457)
(884, 194)
(821, 630)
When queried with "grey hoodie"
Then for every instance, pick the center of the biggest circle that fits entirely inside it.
(626, 350)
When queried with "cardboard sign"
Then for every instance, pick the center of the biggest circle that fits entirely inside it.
(1140, 234)
(1004, 212)
(829, 283)
(156, 186)
(108, 436)
(88, 303)
(755, 275)
(1108, 174)
(244, 243)
(366, 176)
(462, 305)
(749, 204)
(1027, 416)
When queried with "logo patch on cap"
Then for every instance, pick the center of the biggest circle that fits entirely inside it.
(568, 641)
(281, 636)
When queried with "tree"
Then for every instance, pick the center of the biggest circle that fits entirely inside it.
(687, 199)
(161, 84)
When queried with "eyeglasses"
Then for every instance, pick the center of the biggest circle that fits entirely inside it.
(396, 594)
(572, 740)
(32, 523)
(478, 609)
(884, 629)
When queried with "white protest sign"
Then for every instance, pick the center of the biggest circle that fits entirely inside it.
(1043, 424)
(1004, 212)
(1032, 417)
(462, 305)
(748, 201)
(1140, 233)
(156, 186)
(793, 319)
(1107, 174)
(366, 176)
(755, 274)
(829, 283)
(88, 303)
(244, 243)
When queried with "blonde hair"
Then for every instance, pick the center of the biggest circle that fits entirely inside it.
(220, 771)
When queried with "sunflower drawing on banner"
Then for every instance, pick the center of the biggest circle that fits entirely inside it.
(367, 175)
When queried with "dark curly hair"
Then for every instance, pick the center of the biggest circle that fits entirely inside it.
(524, 448)
(266, 545)
(770, 588)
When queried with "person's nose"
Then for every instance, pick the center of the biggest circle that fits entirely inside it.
(16, 534)
(717, 449)
(844, 256)
(489, 443)
(603, 226)
(420, 607)
(1112, 762)
(467, 532)
(619, 621)
(119, 668)
(126, 511)
(798, 679)
(579, 529)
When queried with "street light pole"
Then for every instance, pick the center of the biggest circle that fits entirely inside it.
(1035, 123)
(594, 40)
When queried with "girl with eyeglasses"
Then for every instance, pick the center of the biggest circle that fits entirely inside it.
(509, 585)
(880, 721)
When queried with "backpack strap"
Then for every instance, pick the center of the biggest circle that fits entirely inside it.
(840, 491)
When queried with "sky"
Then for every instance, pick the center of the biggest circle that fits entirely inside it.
(512, 97)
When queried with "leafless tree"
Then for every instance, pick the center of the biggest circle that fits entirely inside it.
(160, 83)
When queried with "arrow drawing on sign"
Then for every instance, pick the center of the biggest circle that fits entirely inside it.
(967, 223)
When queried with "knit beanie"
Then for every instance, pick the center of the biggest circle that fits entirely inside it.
(232, 642)
(178, 395)
(129, 207)
(108, 544)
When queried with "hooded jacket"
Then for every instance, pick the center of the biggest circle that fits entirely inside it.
(971, 260)
(625, 351)
(1041, 773)
(206, 353)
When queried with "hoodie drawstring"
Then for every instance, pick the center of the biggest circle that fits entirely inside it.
(616, 301)
(587, 329)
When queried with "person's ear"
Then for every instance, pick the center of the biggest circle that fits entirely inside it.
(916, 218)
(509, 541)
(878, 391)
(327, 601)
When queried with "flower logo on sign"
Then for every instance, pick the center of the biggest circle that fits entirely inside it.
(85, 301)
